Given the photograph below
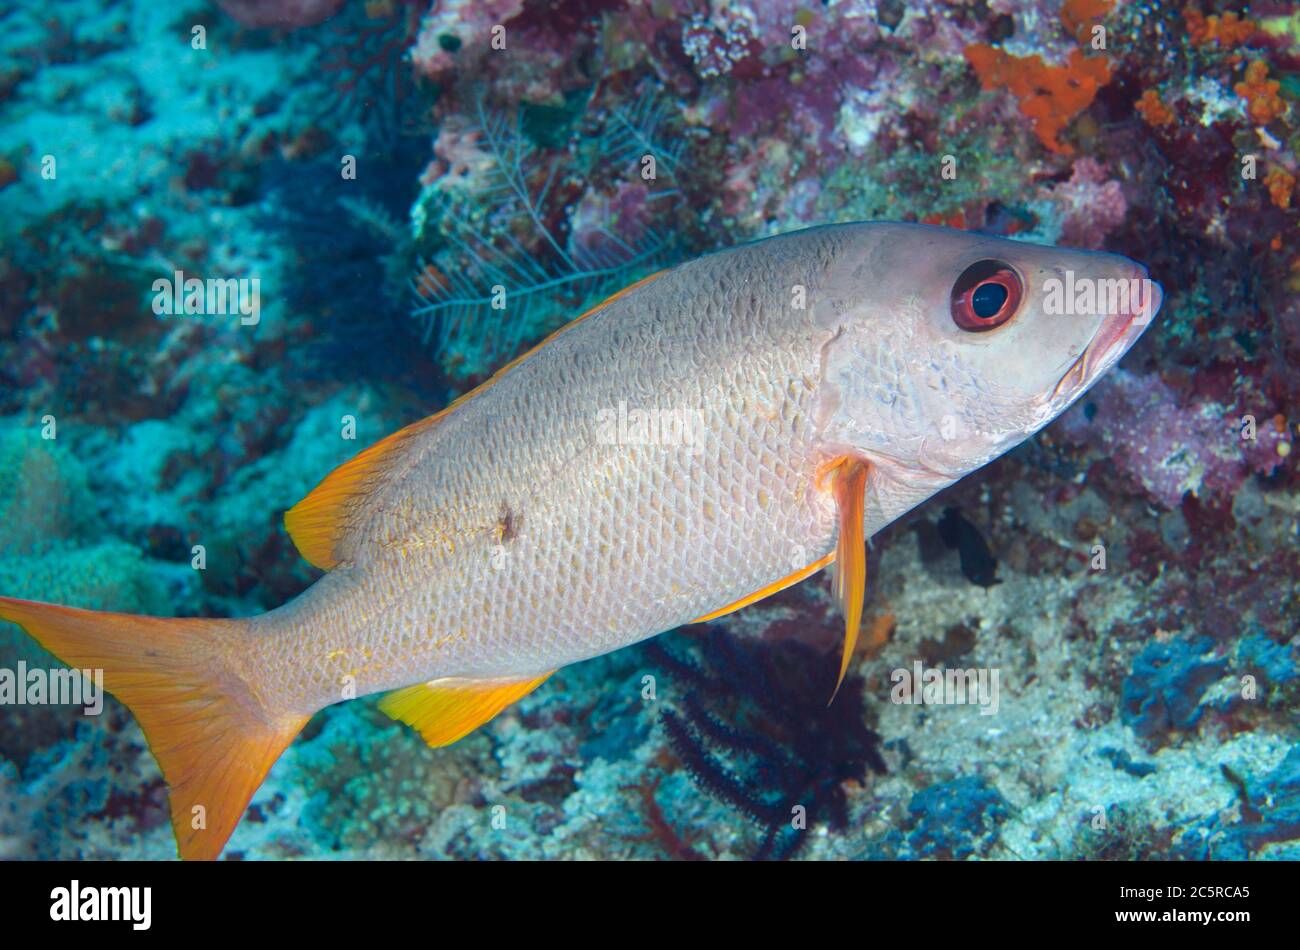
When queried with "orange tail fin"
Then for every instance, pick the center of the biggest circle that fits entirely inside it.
(212, 737)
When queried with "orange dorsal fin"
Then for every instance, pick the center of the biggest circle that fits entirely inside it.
(850, 488)
(445, 710)
(319, 522)
(212, 739)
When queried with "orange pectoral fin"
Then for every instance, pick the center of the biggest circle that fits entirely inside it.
(445, 710)
(850, 488)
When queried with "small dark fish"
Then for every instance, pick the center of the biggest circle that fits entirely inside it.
(978, 564)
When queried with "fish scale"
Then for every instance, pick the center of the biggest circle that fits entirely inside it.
(564, 592)
(474, 552)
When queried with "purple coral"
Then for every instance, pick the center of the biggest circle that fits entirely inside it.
(603, 226)
(1172, 448)
(1091, 206)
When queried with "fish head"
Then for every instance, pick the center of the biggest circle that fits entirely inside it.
(948, 348)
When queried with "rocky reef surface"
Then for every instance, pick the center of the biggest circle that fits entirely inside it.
(379, 167)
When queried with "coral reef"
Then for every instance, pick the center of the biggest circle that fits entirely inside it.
(388, 170)
(1164, 690)
(498, 269)
(1266, 815)
(955, 819)
(1172, 449)
(1049, 96)
(286, 14)
(753, 729)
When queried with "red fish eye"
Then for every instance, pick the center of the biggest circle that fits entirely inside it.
(985, 296)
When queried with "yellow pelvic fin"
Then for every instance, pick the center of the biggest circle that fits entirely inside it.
(320, 521)
(774, 588)
(445, 710)
(212, 740)
(849, 488)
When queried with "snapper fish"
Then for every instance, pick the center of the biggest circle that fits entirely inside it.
(820, 384)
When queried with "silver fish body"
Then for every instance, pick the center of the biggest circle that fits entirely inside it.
(666, 456)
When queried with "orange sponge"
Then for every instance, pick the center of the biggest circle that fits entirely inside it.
(1050, 96)
(1263, 104)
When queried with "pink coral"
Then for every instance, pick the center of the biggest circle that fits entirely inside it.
(461, 162)
(1091, 206)
(469, 22)
(603, 226)
(1172, 449)
(715, 45)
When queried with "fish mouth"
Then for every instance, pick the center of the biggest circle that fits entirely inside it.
(1118, 332)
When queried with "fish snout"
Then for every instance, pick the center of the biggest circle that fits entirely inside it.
(1128, 303)
(1145, 295)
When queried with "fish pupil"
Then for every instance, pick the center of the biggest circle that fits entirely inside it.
(988, 299)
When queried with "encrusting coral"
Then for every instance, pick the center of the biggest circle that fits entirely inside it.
(1049, 96)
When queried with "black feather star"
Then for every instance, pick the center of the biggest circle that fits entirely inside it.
(753, 728)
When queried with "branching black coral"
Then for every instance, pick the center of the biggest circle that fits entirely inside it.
(752, 727)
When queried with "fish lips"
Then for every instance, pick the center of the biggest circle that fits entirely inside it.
(1117, 333)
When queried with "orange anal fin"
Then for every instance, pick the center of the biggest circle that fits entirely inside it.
(445, 710)
(763, 592)
(850, 488)
(212, 741)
